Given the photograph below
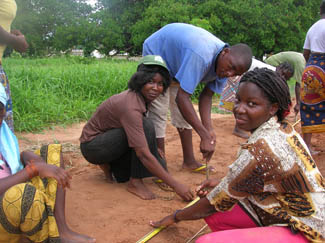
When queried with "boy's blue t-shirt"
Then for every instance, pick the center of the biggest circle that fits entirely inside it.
(190, 53)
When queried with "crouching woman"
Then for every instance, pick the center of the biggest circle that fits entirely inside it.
(121, 139)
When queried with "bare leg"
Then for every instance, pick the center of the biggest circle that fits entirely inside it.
(307, 139)
(161, 144)
(240, 133)
(189, 160)
(107, 171)
(137, 187)
(66, 234)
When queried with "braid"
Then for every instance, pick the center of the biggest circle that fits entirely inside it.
(273, 86)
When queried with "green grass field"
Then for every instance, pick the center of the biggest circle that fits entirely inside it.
(52, 91)
(64, 90)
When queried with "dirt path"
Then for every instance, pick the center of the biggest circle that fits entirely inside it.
(111, 214)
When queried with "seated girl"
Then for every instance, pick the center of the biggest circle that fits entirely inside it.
(274, 191)
(32, 191)
(121, 139)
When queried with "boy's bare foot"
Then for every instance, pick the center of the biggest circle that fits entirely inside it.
(70, 236)
(195, 166)
(107, 171)
(137, 187)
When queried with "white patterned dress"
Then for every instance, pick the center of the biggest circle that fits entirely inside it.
(277, 182)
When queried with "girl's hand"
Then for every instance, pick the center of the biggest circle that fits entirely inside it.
(206, 187)
(184, 192)
(169, 220)
(51, 171)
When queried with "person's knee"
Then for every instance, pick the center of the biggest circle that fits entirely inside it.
(20, 201)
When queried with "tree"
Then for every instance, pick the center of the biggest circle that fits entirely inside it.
(40, 19)
(267, 26)
(158, 14)
(59, 25)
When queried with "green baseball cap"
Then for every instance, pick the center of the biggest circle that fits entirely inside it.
(153, 60)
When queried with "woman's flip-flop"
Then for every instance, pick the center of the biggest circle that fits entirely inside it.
(203, 169)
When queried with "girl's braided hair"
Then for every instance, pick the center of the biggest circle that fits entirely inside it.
(275, 89)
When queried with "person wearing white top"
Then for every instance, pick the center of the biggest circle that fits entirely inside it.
(312, 93)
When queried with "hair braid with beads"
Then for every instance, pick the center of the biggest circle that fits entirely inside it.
(276, 90)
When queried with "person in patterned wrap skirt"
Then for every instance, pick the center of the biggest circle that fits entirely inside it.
(32, 194)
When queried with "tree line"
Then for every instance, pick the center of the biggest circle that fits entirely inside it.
(268, 26)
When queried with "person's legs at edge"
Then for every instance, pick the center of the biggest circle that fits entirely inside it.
(138, 170)
(236, 218)
(189, 160)
(158, 110)
(307, 138)
(237, 226)
(184, 130)
(271, 234)
(66, 234)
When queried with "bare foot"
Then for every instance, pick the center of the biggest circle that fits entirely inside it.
(137, 187)
(195, 166)
(73, 237)
(107, 171)
(240, 133)
(191, 164)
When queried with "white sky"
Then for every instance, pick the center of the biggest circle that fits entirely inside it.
(91, 2)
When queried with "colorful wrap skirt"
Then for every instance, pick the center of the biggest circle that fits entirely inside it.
(9, 115)
(312, 95)
(228, 95)
(28, 208)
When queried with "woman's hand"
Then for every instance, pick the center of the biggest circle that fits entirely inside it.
(206, 187)
(165, 222)
(184, 192)
(52, 171)
(19, 44)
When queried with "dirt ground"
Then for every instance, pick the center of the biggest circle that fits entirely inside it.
(111, 214)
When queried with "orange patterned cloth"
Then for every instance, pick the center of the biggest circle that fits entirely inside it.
(28, 208)
(312, 95)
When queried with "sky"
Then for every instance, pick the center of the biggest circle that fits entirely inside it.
(91, 2)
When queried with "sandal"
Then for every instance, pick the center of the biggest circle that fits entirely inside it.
(203, 169)
(162, 185)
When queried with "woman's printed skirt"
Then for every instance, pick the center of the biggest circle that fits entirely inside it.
(28, 208)
(228, 95)
(312, 94)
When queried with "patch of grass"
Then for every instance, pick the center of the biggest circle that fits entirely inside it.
(63, 90)
(217, 110)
